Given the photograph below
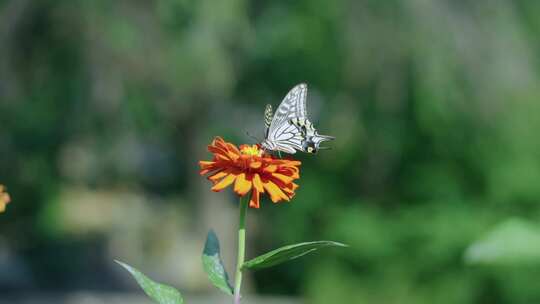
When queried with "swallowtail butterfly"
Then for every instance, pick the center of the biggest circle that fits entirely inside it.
(289, 129)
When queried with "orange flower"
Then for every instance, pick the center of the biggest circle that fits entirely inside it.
(4, 198)
(250, 169)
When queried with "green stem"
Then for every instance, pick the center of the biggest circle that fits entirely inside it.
(241, 248)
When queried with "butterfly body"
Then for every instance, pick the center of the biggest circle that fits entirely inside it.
(289, 130)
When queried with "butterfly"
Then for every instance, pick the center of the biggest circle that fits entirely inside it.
(289, 129)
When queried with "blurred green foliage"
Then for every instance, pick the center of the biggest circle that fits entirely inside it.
(434, 105)
(512, 242)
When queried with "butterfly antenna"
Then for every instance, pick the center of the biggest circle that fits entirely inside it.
(257, 140)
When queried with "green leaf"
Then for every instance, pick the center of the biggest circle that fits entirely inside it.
(213, 266)
(288, 253)
(160, 293)
(512, 242)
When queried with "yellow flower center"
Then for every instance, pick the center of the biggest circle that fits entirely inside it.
(251, 150)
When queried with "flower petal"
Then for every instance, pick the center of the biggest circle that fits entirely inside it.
(229, 179)
(242, 185)
(217, 139)
(283, 178)
(276, 194)
(257, 183)
(270, 168)
(255, 165)
(233, 148)
(218, 175)
(207, 166)
(218, 151)
(289, 190)
(229, 150)
(250, 169)
(289, 171)
(254, 201)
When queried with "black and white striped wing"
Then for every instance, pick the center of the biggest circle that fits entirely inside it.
(285, 135)
(292, 106)
(287, 138)
(268, 115)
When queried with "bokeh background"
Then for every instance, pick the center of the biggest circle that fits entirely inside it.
(433, 180)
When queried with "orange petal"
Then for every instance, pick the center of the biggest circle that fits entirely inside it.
(229, 179)
(284, 178)
(206, 166)
(217, 139)
(218, 151)
(257, 183)
(242, 185)
(234, 156)
(223, 158)
(289, 190)
(295, 163)
(233, 148)
(254, 201)
(220, 143)
(291, 187)
(270, 168)
(276, 194)
(227, 149)
(290, 171)
(203, 172)
(282, 185)
(217, 176)
(255, 165)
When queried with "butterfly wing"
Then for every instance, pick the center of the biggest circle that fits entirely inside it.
(290, 129)
(268, 115)
(282, 133)
(293, 105)
(313, 140)
(287, 138)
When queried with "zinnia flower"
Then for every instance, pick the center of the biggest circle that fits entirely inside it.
(251, 170)
(4, 198)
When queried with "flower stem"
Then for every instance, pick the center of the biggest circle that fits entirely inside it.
(241, 248)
